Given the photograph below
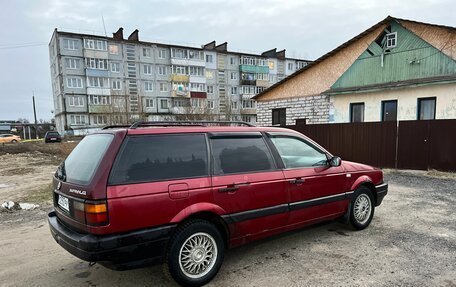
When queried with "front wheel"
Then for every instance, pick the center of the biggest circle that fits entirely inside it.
(362, 208)
(195, 253)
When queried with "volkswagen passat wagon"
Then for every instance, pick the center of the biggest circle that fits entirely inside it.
(180, 194)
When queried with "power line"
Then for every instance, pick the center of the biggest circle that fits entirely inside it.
(18, 46)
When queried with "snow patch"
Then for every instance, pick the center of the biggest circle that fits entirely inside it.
(2, 185)
(11, 205)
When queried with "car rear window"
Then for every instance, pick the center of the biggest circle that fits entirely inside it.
(160, 157)
(82, 162)
(239, 155)
(53, 133)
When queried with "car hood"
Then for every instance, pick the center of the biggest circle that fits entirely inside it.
(354, 166)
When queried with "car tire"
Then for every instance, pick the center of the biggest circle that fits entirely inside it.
(362, 208)
(14, 141)
(195, 245)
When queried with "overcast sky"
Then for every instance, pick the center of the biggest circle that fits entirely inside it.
(306, 29)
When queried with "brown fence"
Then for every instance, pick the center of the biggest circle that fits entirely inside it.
(407, 144)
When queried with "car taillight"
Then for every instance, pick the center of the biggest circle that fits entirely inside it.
(93, 213)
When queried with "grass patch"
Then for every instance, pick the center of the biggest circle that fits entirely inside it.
(40, 196)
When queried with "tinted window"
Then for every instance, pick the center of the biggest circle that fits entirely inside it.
(279, 117)
(297, 153)
(80, 165)
(237, 155)
(160, 157)
(426, 109)
(357, 112)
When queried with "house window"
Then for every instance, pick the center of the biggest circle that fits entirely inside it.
(95, 44)
(70, 44)
(99, 100)
(74, 82)
(197, 55)
(195, 103)
(209, 58)
(115, 67)
(210, 89)
(164, 104)
(147, 69)
(162, 54)
(146, 52)
(426, 108)
(234, 90)
(232, 60)
(148, 86)
(100, 64)
(290, 66)
(179, 70)
(196, 71)
(113, 49)
(149, 103)
(100, 120)
(233, 76)
(95, 82)
(391, 40)
(234, 105)
(279, 116)
(162, 70)
(357, 112)
(76, 101)
(163, 87)
(179, 53)
(248, 104)
(389, 111)
(72, 63)
(211, 104)
(116, 85)
(77, 120)
(197, 87)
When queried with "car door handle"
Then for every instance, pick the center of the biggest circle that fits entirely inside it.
(229, 189)
(297, 181)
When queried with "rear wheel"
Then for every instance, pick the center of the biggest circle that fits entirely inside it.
(195, 253)
(14, 141)
(362, 208)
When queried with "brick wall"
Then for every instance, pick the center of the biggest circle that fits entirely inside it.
(313, 108)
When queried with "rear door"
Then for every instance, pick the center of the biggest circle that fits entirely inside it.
(247, 184)
(316, 189)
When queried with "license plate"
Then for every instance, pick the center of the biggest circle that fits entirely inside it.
(53, 139)
(63, 203)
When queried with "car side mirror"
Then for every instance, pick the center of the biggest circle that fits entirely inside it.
(335, 161)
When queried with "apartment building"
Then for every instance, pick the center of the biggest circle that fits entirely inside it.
(98, 80)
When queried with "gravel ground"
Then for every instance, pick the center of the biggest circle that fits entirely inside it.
(410, 242)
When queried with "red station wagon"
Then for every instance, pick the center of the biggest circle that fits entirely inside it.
(181, 193)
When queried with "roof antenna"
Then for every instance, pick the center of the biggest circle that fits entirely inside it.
(104, 26)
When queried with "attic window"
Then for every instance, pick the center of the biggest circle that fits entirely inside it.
(391, 40)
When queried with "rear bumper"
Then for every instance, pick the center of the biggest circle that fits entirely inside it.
(382, 191)
(118, 251)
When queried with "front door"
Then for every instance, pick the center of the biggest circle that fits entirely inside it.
(316, 189)
(247, 184)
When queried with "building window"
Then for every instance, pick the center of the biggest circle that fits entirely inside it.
(100, 120)
(248, 104)
(162, 54)
(100, 64)
(233, 75)
(77, 120)
(389, 111)
(99, 100)
(426, 108)
(196, 55)
(290, 66)
(74, 82)
(211, 104)
(179, 70)
(391, 40)
(234, 90)
(162, 70)
(147, 69)
(232, 60)
(113, 49)
(116, 84)
(196, 103)
(209, 58)
(146, 52)
(95, 82)
(72, 63)
(357, 112)
(75, 101)
(210, 89)
(197, 87)
(70, 44)
(179, 53)
(149, 103)
(148, 86)
(196, 71)
(95, 44)
(163, 104)
(163, 87)
(115, 67)
(279, 116)
(234, 105)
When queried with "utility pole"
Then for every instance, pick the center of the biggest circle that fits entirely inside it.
(34, 114)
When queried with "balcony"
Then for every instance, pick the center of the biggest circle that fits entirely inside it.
(180, 78)
(100, 109)
(248, 82)
(96, 54)
(248, 111)
(187, 62)
(254, 69)
(99, 91)
(198, 79)
(262, 83)
(96, 73)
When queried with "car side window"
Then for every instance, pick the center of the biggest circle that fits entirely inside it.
(297, 153)
(160, 157)
(240, 154)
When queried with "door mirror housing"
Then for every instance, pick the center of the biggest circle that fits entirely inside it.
(335, 161)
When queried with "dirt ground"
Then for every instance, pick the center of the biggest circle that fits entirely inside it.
(411, 241)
